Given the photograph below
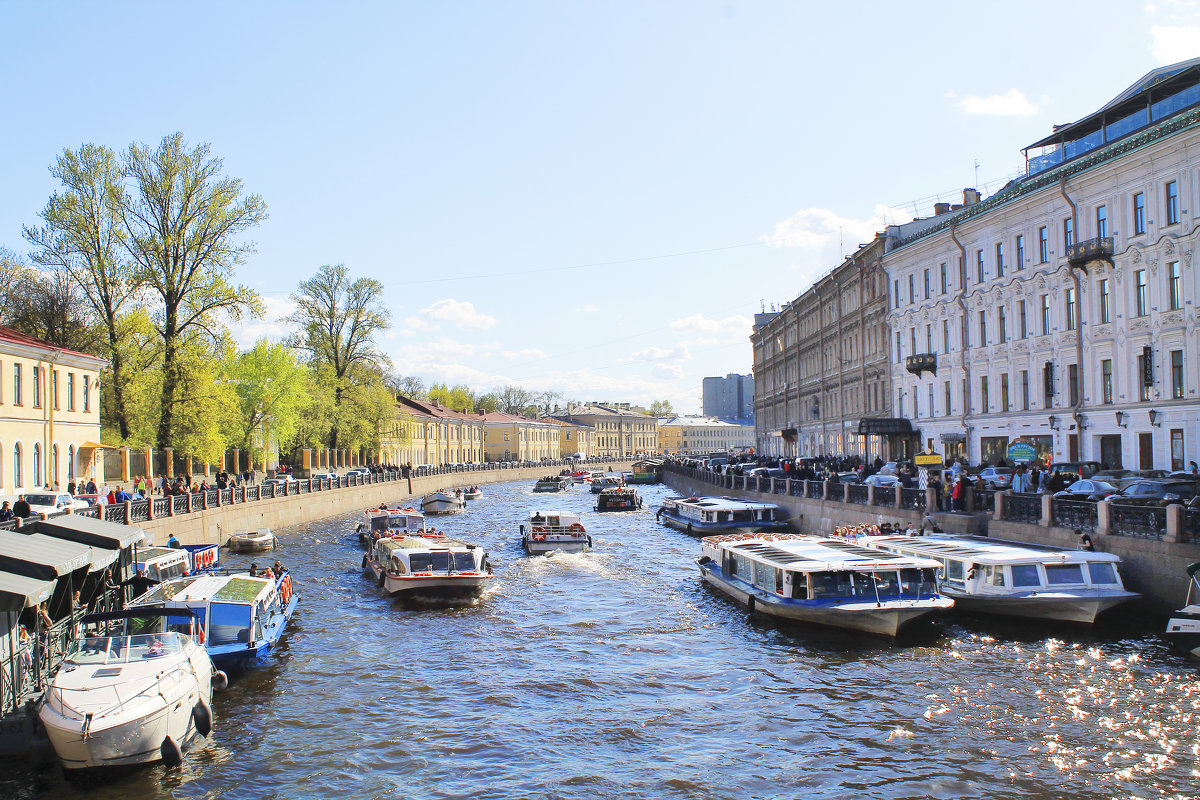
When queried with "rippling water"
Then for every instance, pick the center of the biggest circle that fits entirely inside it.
(617, 674)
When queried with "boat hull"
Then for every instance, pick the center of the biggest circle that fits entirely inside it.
(1183, 630)
(1050, 606)
(441, 507)
(444, 587)
(888, 619)
(551, 543)
(254, 545)
(695, 528)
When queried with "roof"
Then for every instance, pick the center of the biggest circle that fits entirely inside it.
(981, 550)
(19, 591)
(501, 417)
(16, 337)
(38, 556)
(699, 422)
(90, 531)
(821, 555)
(423, 408)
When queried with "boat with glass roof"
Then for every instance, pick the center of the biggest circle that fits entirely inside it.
(428, 566)
(707, 515)
(828, 582)
(384, 521)
(994, 576)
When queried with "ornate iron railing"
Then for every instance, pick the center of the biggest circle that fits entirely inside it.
(162, 506)
(1081, 515)
(139, 511)
(114, 513)
(857, 493)
(1189, 530)
(1143, 522)
(885, 495)
(837, 491)
(180, 503)
(1021, 507)
(912, 499)
(815, 489)
(227, 497)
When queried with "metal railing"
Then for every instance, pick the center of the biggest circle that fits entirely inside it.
(139, 511)
(179, 503)
(858, 493)
(1082, 515)
(885, 495)
(912, 499)
(814, 489)
(114, 513)
(1022, 507)
(837, 491)
(1143, 522)
(1189, 530)
(162, 506)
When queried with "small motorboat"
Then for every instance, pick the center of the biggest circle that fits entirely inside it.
(554, 530)
(134, 688)
(1183, 629)
(428, 567)
(474, 493)
(554, 483)
(252, 541)
(622, 498)
(443, 501)
(606, 482)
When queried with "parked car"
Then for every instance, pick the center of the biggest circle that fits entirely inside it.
(889, 468)
(849, 477)
(1088, 489)
(1129, 476)
(880, 479)
(1084, 469)
(999, 478)
(1159, 492)
(53, 503)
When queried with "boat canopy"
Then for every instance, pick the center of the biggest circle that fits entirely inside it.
(980, 550)
(90, 531)
(43, 557)
(18, 592)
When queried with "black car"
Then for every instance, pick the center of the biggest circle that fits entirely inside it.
(1156, 493)
(1087, 490)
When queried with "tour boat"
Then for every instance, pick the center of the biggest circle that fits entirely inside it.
(606, 482)
(443, 501)
(474, 493)
(644, 472)
(620, 499)
(161, 563)
(134, 688)
(239, 617)
(828, 582)
(389, 521)
(554, 530)
(556, 483)
(428, 566)
(994, 576)
(252, 541)
(1183, 629)
(706, 515)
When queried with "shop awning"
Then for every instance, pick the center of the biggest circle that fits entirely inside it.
(90, 531)
(789, 434)
(97, 446)
(884, 426)
(954, 437)
(18, 592)
(41, 556)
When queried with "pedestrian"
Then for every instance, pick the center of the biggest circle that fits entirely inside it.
(6, 513)
(1085, 541)
(21, 508)
(173, 542)
(1193, 468)
(958, 493)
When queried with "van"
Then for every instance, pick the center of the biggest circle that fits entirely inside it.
(1084, 469)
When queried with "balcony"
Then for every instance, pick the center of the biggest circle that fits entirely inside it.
(1098, 249)
(921, 362)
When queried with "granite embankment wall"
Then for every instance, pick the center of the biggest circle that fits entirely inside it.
(213, 525)
(1154, 567)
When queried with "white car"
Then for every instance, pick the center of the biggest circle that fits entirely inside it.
(53, 503)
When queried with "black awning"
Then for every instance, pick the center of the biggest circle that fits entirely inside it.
(789, 434)
(954, 437)
(884, 426)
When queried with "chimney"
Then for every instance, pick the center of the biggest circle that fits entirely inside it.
(940, 208)
(970, 197)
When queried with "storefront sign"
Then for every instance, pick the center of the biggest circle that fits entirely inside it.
(1021, 452)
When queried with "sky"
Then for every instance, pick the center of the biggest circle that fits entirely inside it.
(580, 196)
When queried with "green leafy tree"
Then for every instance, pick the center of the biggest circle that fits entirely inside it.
(487, 403)
(457, 398)
(661, 408)
(273, 388)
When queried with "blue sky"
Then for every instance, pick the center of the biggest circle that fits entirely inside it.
(590, 197)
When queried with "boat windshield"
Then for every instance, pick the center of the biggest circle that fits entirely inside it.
(100, 649)
(379, 524)
(435, 561)
(228, 623)
(1102, 572)
(464, 562)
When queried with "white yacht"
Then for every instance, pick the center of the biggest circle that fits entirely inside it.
(254, 541)
(443, 501)
(428, 567)
(134, 688)
(706, 515)
(545, 532)
(994, 576)
(606, 482)
(828, 582)
(1183, 629)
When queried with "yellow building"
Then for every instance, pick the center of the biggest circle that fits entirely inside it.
(619, 430)
(703, 435)
(574, 438)
(49, 415)
(508, 437)
(429, 433)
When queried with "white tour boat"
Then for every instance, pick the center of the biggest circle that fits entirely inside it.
(443, 501)
(134, 688)
(707, 515)
(554, 530)
(252, 541)
(386, 521)
(1183, 629)
(428, 567)
(994, 576)
(606, 482)
(828, 582)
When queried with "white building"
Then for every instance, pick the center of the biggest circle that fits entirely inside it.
(1062, 310)
(703, 435)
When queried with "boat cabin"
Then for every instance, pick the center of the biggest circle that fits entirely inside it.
(161, 563)
(419, 555)
(230, 610)
(724, 510)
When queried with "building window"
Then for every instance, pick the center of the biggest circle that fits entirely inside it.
(1048, 384)
(1023, 321)
(1105, 308)
(1139, 213)
(962, 273)
(1004, 391)
(1101, 221)
(911, 294)
(37, 388)
(1024, 390)
(1073, 384)
(1106, 381)
(983, 328)
(1070, 309)
(1043, 245)
(17, 385)
(927, 284)
(897, 347)
(946, 391)
(70, 391)
(979, 265)
(1045, 315)
(928, 338)
(944, 279)
(87, 400)
(1139, 293)
(38, 472)
(983, 394)
(932, 410)
(1172, 202)
(54, 387)
(912, 335)
(1020, 251)
(946, 336)
(1143, 384)
(999, 259)
(896, 293)
(18, 474)
(1176, 374)
(1002, 318)
(54, 464)
(1068, 231)
(900, 398)
(1173, 282)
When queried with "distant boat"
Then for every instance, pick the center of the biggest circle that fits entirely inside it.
(474, 493)
(443, 501)
(389, 522)
(252, 541)
(554, 530)
(557, 483)
(621, 498)
(606, 482)
(706, 515)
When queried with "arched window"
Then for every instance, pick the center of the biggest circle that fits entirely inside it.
(54, 464)
(18, 478)
(38, 472)
(71, 462)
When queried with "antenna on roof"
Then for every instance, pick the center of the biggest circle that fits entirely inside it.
(976, 172)
(763, 304)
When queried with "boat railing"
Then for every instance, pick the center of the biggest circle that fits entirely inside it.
(56, 696)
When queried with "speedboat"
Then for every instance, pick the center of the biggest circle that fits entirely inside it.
(705, 515)
(606, 482)
(1183, 629)
(252, 541)
(994, 576)
(443, 501)
(388, 522)
(554, 530)
(828, 582)
(428, 566)
(555, 483)
(239, 617)
(622, 498)
(135, 687)
(474, 493)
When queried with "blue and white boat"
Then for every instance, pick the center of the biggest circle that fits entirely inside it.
(161, 563)
(708, 515)
(828, 582)
(239, 617)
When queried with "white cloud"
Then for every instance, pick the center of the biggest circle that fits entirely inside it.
(734, 328)
(529, 354)
(1012, 103)
(819, 227)
(1171, 43)
(459, 313)
(667, 372)
(449, 349)
(652, 353)
(268, 326)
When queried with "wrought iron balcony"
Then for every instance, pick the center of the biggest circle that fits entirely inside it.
(1098, 249)
(921, 362)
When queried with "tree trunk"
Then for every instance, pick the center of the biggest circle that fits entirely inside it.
(170, 382)
(118, 381)
(337, 403)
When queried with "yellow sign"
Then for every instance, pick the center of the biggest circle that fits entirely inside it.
(934, 460)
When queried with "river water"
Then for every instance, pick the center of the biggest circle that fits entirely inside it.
(616, 674)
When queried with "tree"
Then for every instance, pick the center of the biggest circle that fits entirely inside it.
(513, 399)
(661, 408)
(338, 320)
(457, 398)
(410, 386)
(84, 236)
(548, 401)
(272, 390)
(183, 225)
(487, 403)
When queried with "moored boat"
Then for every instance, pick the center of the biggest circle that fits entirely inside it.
(134, 688)
(443, 501)
(428, 567)
(708, 515)
(161, 563)
(239, 617)
(1016, 579)
(826, 582)
(622, 498)
(545, 532)
(1183, 628)
(254, 541)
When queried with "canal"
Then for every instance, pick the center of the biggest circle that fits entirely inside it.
(616, 674)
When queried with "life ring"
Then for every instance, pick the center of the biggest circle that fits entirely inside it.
(576, 528)
(539, 537)
(537, 529)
